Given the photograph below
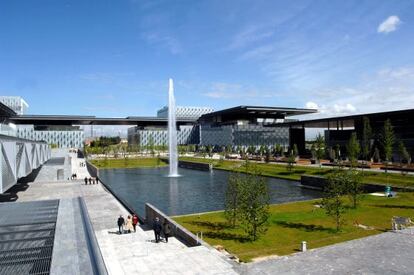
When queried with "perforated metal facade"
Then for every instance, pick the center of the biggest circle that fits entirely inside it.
(27, 232)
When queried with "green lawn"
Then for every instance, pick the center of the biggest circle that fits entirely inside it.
(292, 223)
(127, 163)
(280, 171)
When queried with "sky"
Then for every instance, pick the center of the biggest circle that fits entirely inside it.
(114, 58)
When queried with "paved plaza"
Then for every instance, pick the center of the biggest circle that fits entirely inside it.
(387, 253)
(133, 253)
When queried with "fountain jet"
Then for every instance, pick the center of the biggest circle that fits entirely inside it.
(172, 132)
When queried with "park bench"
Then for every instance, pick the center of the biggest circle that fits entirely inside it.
(399, 223)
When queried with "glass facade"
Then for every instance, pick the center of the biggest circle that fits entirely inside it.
(243, 135)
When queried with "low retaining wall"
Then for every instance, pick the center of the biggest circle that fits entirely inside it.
(151, 212)
(320, 183)
(192, 165)
(94, 172)
(92, 169)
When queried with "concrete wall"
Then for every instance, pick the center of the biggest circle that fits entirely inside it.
(151, 212)
(194, 165)
(92, 169)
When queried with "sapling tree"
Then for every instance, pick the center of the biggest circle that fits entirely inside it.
(354, 186)
(366, 139)
(333, 202)
(387, 140)
(353, 149)
(404, 155)
(233, 194)
(254, 204)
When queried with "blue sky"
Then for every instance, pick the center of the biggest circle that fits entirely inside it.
(114, 58)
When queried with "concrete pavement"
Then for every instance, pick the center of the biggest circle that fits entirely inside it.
(133, 253)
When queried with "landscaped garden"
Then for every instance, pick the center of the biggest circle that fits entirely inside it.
(290, 224)
(280, 171)
(127, 163)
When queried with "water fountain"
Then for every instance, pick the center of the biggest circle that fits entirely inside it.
(172, 132)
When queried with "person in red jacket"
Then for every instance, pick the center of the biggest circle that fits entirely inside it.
(135, 222)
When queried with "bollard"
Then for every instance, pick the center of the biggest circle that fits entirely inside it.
(303, 246)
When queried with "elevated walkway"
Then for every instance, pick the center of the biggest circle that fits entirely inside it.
(18, 158)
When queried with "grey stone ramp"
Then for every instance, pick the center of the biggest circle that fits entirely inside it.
(70, 251)
(387, 253)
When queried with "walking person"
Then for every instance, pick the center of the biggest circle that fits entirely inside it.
(129, 226)
(157, 229)
(135, 222)
(90, 181)
(86, 181)
(97, 180)
(166, 227)
(121, 222)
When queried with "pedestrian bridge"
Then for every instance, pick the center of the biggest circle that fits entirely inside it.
(19, 157)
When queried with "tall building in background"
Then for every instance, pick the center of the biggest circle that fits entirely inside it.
(186, 134)
(16, 103)
(63, 136)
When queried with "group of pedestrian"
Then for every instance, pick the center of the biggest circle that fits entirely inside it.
(128, 225)
(74, 176)
(82, 164)
(165, 228)
(91, 180)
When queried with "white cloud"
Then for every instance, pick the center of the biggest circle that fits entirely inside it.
(387, 90)
(311, 105)
(389, 25)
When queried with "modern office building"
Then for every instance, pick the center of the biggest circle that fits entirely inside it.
(63, 136)
(238, 126)
(248, 126)
(338, 130)
(16, 103)
(186, 134)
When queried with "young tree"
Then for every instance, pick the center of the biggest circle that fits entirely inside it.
(290, 162)
(228, 150)
(333, 201)
(318, 148)
(262, 150)
(404, 155)
(366, 138)
(293, 153)
(210, 150)
(231, 209)
(387, 140)
(254, 204)
(354, 185)
(353, 149)
(267, 154)
(277, 150)
(376, 155)
(295, 150)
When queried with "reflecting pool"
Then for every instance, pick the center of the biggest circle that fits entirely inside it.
(194, 192)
